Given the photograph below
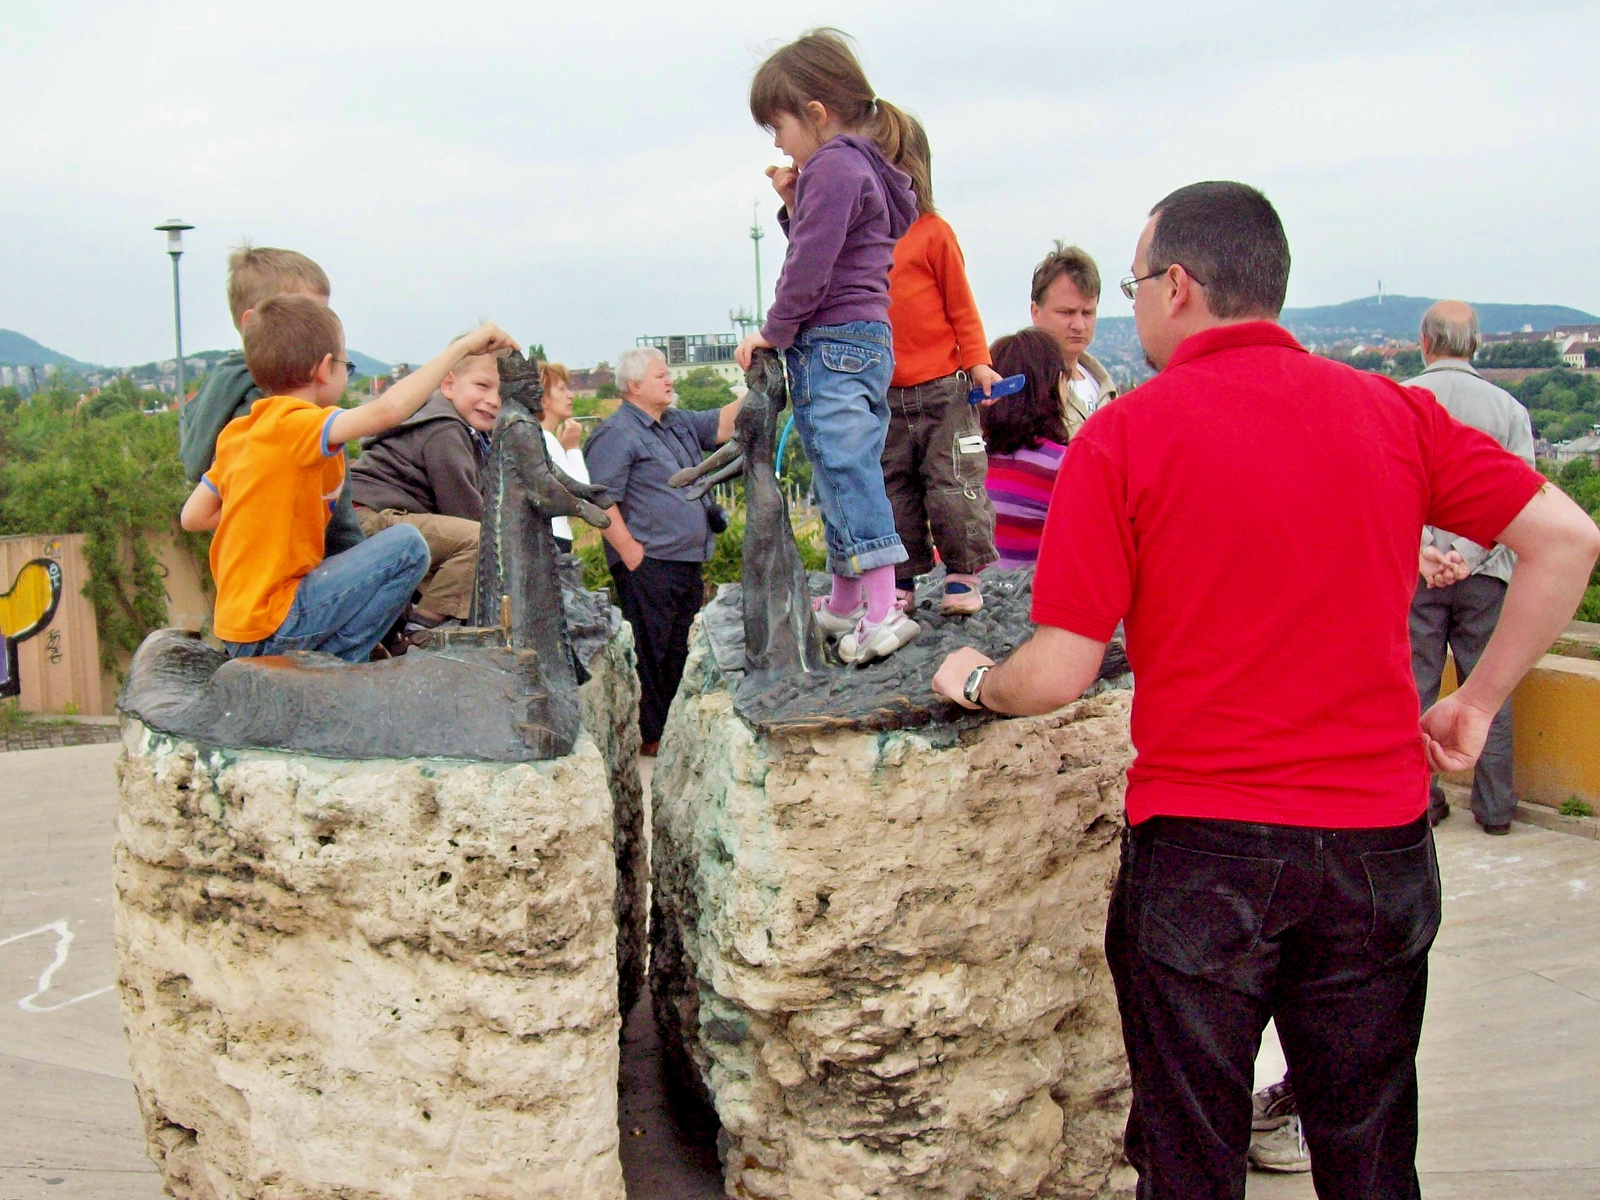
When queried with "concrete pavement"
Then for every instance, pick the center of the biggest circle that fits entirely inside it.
(1509, 1087)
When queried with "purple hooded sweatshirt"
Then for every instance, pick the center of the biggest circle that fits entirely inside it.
(850, 208)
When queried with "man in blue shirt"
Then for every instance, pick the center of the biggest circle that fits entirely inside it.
(658, 542)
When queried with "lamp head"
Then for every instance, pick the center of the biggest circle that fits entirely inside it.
(174, 228)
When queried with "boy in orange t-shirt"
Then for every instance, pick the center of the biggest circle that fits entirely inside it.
(933, 459)
(278, 472)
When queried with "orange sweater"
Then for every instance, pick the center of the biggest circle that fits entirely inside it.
(937, 330)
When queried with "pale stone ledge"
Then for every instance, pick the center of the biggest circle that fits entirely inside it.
(880, 958)
(369, 979)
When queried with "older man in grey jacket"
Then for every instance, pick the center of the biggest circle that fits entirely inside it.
(1458, 608)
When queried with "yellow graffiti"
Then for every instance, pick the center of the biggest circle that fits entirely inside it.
(31, 602)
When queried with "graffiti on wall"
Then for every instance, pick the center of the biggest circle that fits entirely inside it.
(26, 609)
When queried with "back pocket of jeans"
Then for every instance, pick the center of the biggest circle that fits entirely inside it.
(1202, 912)
(848, 359)
(1404, 885)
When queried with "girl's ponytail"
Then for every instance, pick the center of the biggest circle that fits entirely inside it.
(890, 128)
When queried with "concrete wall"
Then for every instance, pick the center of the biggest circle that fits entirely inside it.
(60, 666)
(1556, 711)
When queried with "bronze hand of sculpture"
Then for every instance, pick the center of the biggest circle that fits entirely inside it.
(780, 634)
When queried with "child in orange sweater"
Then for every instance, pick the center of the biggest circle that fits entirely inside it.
(933, 458)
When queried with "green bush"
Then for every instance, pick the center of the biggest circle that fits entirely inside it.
(105, 469)
(727, 556)
(1573, 807)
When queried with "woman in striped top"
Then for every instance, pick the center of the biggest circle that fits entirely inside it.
(1027, 438)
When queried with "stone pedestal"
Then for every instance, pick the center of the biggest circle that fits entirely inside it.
(879, 954)
(369, 979)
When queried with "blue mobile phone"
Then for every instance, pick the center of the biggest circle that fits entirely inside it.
(1009, 386)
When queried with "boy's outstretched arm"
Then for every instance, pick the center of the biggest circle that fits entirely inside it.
(202, 510)
(412, 392)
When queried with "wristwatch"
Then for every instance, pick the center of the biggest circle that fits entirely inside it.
(974, 684)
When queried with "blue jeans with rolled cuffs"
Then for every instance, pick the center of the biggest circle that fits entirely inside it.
(348, 602)
(839, 384)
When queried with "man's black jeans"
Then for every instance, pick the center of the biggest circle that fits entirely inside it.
(659, 599)
(1214, 927)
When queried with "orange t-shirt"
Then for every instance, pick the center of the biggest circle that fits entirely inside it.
(937, 330)
(278, 479)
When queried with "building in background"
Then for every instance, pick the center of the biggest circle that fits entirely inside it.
(687, 352)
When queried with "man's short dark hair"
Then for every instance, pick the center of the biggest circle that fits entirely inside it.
(1229, 238)
(1073, 262)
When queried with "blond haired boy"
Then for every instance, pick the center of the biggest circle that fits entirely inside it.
(424, 472)
(255, 273)
(272, 485)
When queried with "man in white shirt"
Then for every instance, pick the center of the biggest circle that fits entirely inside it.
(1460, 616)
(1066, 299)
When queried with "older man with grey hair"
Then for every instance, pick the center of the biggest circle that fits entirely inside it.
(1462, 584)
(658, 542)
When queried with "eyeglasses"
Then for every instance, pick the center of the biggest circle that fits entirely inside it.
(1131, 284)
(350, 367)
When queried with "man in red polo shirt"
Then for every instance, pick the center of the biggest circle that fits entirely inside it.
(1253, 514)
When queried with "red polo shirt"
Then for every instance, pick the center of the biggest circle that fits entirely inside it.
(1254, 514)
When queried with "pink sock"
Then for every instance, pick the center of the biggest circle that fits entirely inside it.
(879, 586)
(846, 595)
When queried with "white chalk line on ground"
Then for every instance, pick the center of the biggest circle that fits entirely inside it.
(63, 932)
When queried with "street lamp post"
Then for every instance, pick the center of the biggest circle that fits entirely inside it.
(174, 228)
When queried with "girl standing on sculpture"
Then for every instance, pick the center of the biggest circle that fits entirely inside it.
(933, 460)
(844, 207)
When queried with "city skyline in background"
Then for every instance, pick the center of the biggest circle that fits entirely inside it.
(585, 178)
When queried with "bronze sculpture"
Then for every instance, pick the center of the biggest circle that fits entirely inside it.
(504, 690)
(765, 642)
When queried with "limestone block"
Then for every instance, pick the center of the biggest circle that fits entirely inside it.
(879, 955)
(610, 715)
(367, 980)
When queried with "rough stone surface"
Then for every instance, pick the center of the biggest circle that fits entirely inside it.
(880, 957)
(364, 980)
(891, 693)
(610, 701)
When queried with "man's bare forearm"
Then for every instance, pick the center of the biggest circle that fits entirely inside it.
(1556, 544)
(1050, 669)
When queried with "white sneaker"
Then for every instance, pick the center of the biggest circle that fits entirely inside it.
(878, 641)
(1282, 1149)
(836, 625)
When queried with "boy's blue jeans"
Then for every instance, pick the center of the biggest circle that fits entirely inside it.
(839, 383)
(348, 602)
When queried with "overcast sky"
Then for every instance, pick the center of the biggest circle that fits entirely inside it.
(584, 172)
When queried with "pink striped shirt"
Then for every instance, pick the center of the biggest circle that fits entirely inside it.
(1019, 485)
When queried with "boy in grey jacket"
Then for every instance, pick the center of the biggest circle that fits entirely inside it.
(424, 472)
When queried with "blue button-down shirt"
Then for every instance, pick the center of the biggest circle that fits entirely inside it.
(633, 456)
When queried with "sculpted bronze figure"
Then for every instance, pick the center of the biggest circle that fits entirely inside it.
(504, 690)
(763, 638)
(780, 635)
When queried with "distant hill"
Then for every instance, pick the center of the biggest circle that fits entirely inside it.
(367, 365)
(1116, 342)
(1399, 317)
(19, 350)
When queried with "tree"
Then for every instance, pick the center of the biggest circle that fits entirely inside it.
(1520, 354)
(1407, 363)
(702, 389)
(1562, 404)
